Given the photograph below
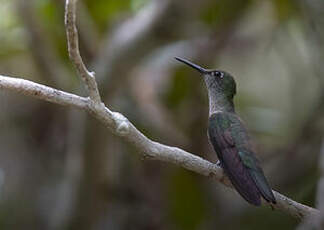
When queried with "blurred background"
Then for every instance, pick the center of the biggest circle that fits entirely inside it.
(61, 169)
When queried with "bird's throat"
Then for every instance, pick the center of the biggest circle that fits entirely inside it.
(218, 102)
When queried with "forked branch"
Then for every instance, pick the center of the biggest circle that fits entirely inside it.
(74, 52)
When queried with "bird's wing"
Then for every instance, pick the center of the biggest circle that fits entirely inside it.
(252, 164)
(232, 145)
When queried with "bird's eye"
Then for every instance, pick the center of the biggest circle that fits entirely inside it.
(218, 74)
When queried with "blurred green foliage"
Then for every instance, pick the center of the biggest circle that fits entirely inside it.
(286, 9)
(180, 88)
(187, 203)
(41, 144)
(104, 12)
(221, 13)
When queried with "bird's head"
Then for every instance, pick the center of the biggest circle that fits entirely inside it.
(216, 80)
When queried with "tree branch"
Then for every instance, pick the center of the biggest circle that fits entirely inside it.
(320, 188)
(317, 222)
(42, 92)
(120, 126)
(74, 53)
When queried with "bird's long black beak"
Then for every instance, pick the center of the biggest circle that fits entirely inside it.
(197, 67)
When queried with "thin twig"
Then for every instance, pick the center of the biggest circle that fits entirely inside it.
(74, 53)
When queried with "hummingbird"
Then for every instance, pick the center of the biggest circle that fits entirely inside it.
(230, 139)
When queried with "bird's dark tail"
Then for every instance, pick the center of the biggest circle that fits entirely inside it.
(240, 178)
(251, 184)
(262, 185)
